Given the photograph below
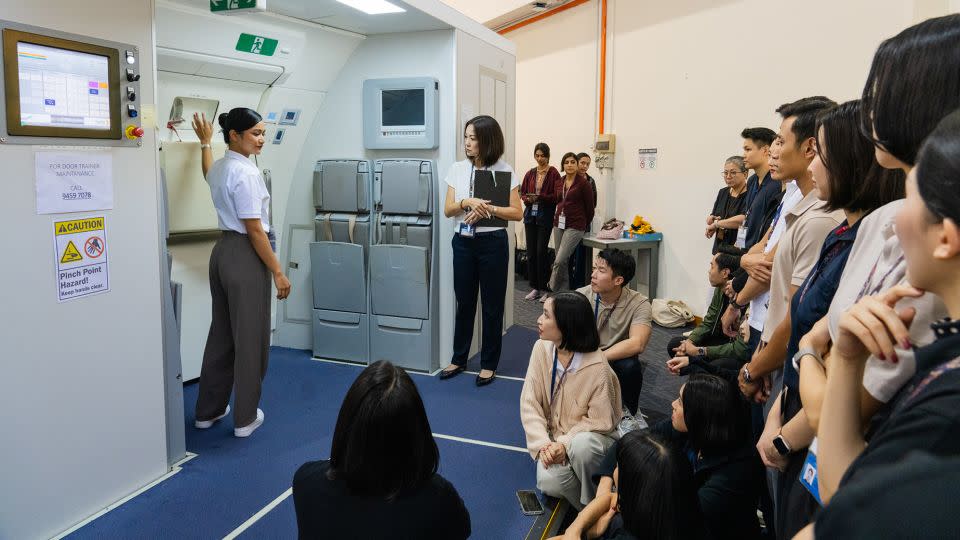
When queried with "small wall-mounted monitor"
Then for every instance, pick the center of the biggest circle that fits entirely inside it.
(63, 88)
(400, 113)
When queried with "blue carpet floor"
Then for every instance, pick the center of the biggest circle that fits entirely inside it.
(231, 479)
(517, 343)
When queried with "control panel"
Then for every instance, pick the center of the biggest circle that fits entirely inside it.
(67, 89)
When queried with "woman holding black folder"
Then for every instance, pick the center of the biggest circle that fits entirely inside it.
(481, 251)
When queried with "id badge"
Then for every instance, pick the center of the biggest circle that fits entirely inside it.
(467, 230)
(535, 210)
(562, 222)
(809, 478)
(741, 238)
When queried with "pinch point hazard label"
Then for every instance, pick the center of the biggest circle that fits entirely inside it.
(78, 226)
(81, 261)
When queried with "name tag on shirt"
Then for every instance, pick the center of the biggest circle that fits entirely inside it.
(808, 474)
(741, 237)
(562, 222)
(467, 230)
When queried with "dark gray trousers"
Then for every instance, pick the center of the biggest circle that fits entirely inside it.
(239, 340)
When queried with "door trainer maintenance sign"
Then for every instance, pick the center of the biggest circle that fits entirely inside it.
(80, 257)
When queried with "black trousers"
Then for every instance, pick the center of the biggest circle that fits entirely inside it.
(538, 267)
(480, 262)
(630, 374)
(796, 507)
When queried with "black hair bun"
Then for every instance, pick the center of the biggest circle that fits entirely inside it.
(222, 120)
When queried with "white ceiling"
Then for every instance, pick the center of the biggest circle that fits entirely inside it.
(337, 15)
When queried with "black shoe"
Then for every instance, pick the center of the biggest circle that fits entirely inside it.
(446, 374)
(483, 381)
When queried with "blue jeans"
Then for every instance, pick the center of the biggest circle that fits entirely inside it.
(480, 262)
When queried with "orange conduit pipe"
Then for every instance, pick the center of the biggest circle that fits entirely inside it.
(603, 62)
(603, 45)
(544, 15)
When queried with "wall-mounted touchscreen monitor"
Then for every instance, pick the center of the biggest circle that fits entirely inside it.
(55, 87)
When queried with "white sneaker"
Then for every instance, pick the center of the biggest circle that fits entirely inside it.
(204, 424)
(532, 295)
(245, 431)
(543, 298)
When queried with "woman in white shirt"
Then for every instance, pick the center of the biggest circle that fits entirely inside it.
(240, 268)
(480, 253)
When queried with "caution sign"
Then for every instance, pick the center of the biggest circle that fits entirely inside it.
(80, 256)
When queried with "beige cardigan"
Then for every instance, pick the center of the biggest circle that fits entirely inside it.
(588, 400)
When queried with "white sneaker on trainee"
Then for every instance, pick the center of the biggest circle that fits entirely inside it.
(245, 431)
(204, 424)
(532, 295)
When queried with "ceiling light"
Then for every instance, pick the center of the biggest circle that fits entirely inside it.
(373, 7)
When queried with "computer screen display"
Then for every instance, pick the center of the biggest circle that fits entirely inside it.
(63, 88)
(402, 107)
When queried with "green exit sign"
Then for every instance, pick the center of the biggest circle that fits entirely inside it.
(237, 6)
(252, 44)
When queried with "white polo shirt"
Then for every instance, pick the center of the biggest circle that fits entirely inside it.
(459, 176)
(238, 192)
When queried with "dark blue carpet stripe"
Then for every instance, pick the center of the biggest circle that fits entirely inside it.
(517, 343)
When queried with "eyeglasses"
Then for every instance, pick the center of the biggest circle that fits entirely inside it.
(730, 173)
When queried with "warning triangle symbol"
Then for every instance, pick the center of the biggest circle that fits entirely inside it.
(71, 254)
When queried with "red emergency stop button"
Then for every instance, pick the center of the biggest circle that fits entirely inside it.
(134, 132)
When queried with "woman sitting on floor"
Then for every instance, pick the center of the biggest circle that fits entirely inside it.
(570, 402)
(381, 479)
(655, 496)
(711, 425)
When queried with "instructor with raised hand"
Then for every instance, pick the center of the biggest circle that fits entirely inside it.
(240, 267)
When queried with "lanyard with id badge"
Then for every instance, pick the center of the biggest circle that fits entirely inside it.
(535, 207)
(468, 230)
(809, 478)
(562, 220)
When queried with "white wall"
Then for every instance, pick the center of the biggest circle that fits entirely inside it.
(337, 132)
(81, 397)
(686, 77)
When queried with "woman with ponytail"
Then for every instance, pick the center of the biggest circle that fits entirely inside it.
(240, 268)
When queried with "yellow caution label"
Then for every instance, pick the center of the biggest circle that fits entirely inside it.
(78, 226)
(71, 254)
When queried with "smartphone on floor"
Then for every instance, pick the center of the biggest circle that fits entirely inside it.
(529, 502)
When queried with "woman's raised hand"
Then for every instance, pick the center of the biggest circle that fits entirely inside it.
(202, 127)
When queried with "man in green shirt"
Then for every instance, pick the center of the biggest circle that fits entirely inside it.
(708, 340)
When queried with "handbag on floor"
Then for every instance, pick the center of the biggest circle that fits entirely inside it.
(671, 313)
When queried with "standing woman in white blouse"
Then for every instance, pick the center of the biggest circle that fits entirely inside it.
(240, 268)
(481, 255)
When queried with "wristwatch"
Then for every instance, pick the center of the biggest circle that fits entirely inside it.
(746, 374)
(738, 306)
(805, 352)
(701, 351)
(781, 445)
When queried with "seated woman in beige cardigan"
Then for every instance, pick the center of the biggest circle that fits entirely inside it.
(570, 403)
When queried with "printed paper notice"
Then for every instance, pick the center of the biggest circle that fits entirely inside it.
(74, 182)
(80, 257)
(647, 159)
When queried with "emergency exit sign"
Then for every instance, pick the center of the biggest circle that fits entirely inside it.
(237, 6)
(252, 44)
